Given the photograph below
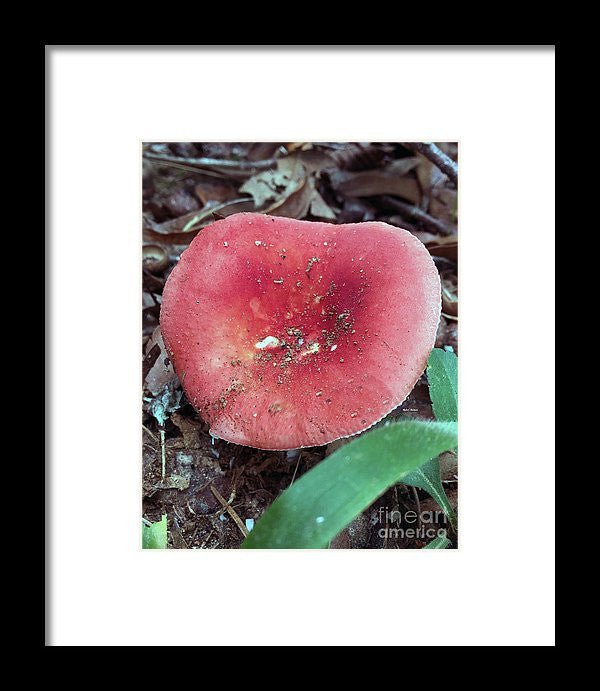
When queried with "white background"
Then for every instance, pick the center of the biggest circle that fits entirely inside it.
(498, 588)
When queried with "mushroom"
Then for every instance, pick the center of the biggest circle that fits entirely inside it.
(288, 333)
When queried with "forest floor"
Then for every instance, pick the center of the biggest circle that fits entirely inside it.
(211, 488)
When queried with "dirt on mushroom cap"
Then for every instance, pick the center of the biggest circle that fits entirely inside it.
(295, 333)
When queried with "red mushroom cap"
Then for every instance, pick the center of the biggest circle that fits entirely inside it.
(289, 333)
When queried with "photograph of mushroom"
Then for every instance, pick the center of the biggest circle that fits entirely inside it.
(300, 345)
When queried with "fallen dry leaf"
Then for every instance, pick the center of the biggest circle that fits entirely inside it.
(429, 176)
(370, 183)
(301, 201)
(161, 372)
(190, 430)
(298, 146)
(277, 184)
(403, 165)
(359, 156)
(449, 294)
(314, 160)
(444, 246)
(263, 150)
(291, 188)
(215, 190)
(319, 207)
(182, 230)
(443, 204)
(294, 205)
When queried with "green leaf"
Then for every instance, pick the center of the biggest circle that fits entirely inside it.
(317, 506)
(154, 536)
(439, 542)
(427, 477)
(442, 375)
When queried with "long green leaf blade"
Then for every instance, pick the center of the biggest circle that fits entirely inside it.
(439, 542)
(442, 375)
(317, 506)
(427, 477)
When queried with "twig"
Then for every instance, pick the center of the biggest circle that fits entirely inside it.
(163, 457)
(150, 433)
(244, 166)
(230, 510)
(295, 470)
(436, 156)
(178, 530)
(195, 170)
(149, 361)
(207, 539)
(413, 213)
